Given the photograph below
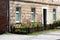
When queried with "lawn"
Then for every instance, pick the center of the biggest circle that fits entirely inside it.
(43, 32)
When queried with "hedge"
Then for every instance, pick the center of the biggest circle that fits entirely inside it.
(24, 28)
(33, 27)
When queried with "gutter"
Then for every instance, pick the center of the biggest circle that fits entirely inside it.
(9, 28)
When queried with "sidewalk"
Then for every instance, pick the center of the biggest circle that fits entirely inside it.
(48, 36)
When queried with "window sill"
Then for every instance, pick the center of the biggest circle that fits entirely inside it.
(32, 21)
(17, 21)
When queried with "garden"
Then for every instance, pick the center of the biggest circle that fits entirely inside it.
(33, 27)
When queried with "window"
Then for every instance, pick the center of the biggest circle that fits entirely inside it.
(55, 0)
(18, 14)
(32, 14)
(54, 14)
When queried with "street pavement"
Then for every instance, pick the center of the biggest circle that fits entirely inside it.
(47, 36)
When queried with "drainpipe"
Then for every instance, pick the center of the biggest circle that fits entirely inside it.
(9, 29)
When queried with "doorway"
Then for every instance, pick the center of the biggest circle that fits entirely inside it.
(44, 18)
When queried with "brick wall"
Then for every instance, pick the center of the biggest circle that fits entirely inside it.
(26, 10)
(3, 14)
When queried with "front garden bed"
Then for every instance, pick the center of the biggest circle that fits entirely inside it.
(33, 27)
(24, 28)
(27, 30)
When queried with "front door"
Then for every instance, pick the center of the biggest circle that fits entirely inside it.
(44, 17)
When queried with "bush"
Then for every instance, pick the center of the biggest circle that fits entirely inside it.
(24, 26)
(57, 23)
(27, 28)
(50, 26)
(12, 28)
(35, 24)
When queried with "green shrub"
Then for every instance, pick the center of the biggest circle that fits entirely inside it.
(12, 26)
(39, 24)
(32, 25)
(35, 24)
(24, 26)
(27, 28)
(56, 23)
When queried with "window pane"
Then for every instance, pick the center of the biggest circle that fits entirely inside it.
(17, 8)
(18, 13)
(17, 17)
(32, 14)
(33, 10)
(54, 14)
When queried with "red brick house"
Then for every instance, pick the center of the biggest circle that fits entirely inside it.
(3, 15)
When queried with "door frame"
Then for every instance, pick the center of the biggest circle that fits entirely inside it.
(46, 14)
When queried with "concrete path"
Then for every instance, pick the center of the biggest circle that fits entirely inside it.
(48, 36)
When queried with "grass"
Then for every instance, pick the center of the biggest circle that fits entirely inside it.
(40, 32)
(43, 32)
